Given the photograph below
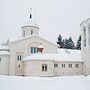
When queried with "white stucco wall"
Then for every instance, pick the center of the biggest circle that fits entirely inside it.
(66, 71)
(34, 68)
(26, 30)
(4, 64)
(85, 49)
(19, 68)
(23, 46)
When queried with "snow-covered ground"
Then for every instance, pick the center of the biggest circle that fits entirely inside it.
(45, 83)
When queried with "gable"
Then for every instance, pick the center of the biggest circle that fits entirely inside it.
(25, 43)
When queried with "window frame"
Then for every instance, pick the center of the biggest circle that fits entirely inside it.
(76, 65)
(56, 65)
(34, 50)
(0, 59)
(19, 57)
(70, 65)
(31, 32)
(44, 67)
(63, 65)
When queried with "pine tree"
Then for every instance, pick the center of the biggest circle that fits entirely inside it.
(78, 45)
(65, 43)
(60, 41)
(69, 44)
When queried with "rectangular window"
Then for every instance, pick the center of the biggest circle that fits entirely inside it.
(77, 65)
(19, 66)
(70, 65)
(31, 49)
(84, 36)
(55, 65)
(31, 32)
(34, 49)
(19, 57)
(44, 67)
(24, 33)
(63, 65)
(0, 59)
(37, 49)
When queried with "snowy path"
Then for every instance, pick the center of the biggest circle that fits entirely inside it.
(45, 83)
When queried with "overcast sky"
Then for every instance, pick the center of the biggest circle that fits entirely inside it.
(53, 16)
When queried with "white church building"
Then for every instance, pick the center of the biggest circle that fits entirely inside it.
(32, 55)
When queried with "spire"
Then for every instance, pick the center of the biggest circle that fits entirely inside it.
(30, 13)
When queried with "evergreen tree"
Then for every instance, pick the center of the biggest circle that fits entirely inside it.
(60, 41)
(65, 43)
(78, 45)
(69, 44)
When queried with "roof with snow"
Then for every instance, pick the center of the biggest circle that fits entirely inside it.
(3, 47)
(13, 40)
(4, 53)
(30, 22)
(62, 55)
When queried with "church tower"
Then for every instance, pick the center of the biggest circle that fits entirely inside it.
(30, 28)
(85, 46)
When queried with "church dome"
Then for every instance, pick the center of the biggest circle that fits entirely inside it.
(30, 22)
(30, 27)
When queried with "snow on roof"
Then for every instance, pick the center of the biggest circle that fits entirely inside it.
(3, 47)
(74, 55)
(30, 22)
(12, 40)
(4, 53)
(40, 46)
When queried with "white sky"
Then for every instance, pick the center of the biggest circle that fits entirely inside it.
(53, 16)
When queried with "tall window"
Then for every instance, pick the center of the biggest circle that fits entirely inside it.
(70, 65)
(89, 34)
(34, 49)
(24, 33)
(19, 57)
(84, 36)
(31, 49)
(31, 32)
(44, 67)
(0, 59)
(63, 65)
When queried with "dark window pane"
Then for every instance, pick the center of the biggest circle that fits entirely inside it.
(45, 68)
(31, 49)
(18, 57)
(42, 68)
